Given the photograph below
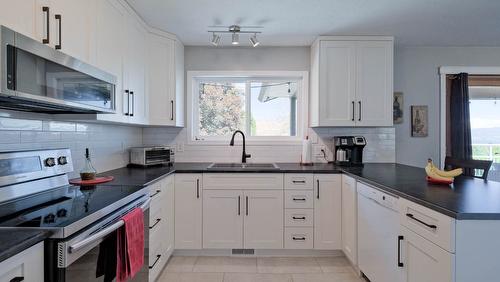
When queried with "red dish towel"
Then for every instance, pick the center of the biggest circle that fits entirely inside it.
(130, 245)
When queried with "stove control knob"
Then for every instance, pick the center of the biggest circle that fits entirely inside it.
(50, 162)
(50, 218)
(62, 160)
(62, 213)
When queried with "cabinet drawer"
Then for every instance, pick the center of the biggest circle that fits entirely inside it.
(299, 238)
(435, 227)
(295, 199)
(299, 217)
(302, 181)
(242, 181)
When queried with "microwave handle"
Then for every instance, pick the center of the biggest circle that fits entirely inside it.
(103, 233)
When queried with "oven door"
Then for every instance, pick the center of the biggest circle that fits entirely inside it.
(75, 259)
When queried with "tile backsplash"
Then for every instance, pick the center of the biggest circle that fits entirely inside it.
(380, 146)
(108, 143)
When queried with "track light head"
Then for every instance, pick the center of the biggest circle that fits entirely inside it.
(215, 39)
(235, 39)
(254, 41)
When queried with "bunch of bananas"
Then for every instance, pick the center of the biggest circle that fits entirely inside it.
(436, 175)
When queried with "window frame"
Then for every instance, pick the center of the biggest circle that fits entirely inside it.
(192, 90)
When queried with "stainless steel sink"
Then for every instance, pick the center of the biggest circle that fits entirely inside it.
(241, 166)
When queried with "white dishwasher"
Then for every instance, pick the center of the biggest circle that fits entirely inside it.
(378, 235)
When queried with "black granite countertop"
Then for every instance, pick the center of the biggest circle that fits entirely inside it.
(467, 198)
(14, 241)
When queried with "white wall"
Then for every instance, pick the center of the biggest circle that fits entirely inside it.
(381, 141)
(416, 75)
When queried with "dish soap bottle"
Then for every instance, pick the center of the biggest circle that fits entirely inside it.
(88, 172)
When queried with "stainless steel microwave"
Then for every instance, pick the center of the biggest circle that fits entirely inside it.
(35, 77)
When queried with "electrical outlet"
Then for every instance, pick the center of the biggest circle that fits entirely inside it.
(180, 147)
(317, 150)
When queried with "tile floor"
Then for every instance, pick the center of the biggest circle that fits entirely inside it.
(266, 269)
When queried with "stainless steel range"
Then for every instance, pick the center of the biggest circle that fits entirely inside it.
(35, 194)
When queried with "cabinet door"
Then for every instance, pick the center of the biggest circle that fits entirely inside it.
(188, 211)
(135, 62)
(27, 265)
(374, 94)
(263, 228)
(167, 186)
(327, 211)
(337, 83)
(349, 215)
(109, 52)
(222, 219)
(75, 25)
(179, 84)
(423, 260)
(27, 17)
(161, 80)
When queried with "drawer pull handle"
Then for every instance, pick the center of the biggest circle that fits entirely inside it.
(400, 238)
(299, 217)
(299, 199)
(156, 260)
(298, 181)
(197, 188)
(299, 238)
(156, 223)
(17, 279)
(420, 221)
(156, 193)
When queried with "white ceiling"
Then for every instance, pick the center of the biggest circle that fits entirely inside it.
(298, 22)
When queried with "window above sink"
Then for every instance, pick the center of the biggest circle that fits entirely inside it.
(267, 106)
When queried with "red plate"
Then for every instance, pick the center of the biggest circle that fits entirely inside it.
(438, 181)
(97, 180)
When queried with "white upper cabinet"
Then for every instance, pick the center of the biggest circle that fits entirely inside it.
(135, 70)
(73, 27)
(28, 17)
(109, 40)
(351, 81)
(165, 80)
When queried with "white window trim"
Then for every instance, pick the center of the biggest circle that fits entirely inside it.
(302, 109)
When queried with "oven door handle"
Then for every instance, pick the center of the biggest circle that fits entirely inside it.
(103, 233)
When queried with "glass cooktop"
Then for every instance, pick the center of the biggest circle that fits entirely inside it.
(62, 206)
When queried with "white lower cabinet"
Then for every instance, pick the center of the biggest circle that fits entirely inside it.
(327, 211)
(188, 211)
(423, 260)
(161, 225)
(349, 219)
(222, 219)
(263, 223)
(247, 219)
(26, 266)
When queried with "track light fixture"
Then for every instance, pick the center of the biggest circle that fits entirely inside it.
(255, 42)
(215, 39)
(235, 31)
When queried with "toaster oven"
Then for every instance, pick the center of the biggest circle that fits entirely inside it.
(152, 155)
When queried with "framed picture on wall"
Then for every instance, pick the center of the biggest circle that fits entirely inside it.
(397, 108)
(419, 121)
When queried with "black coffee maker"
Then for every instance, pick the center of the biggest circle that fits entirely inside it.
(349, 150)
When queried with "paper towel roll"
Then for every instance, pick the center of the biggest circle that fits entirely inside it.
(306, 152)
